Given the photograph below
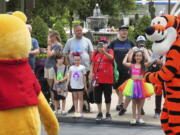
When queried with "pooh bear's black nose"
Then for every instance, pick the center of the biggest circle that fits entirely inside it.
(150, 30)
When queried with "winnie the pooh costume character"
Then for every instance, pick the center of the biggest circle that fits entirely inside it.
(22, 104)
(165, 34)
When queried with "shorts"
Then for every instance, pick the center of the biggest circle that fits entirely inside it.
(123, 76)
(47, 73)
(99, 90)
(75, 90)
(58, 97)
(62, 86)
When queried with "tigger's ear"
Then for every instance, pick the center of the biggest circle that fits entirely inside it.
(20, 15)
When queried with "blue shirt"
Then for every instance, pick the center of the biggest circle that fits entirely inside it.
(120, 50)
(32, 58)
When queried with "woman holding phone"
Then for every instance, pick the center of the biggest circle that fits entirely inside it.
(101, 67)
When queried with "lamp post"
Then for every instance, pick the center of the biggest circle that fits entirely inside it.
(169, 6)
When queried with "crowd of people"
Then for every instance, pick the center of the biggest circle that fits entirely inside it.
(82, 70)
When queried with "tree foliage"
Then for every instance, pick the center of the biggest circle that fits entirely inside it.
(40, 31)
(84, 8)
(126, 5)
(139, 29)
(59, 27)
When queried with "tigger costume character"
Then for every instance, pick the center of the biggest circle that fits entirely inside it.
(165, 34)
(22, 104)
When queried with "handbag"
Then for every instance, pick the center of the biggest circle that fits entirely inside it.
(91, 92)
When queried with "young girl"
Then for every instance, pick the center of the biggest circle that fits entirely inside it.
(77, 78)
(60, 73)
(135, 88)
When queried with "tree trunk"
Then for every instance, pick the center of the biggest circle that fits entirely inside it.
(71, 22)
(2, 6)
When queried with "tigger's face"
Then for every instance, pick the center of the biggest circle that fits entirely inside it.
(162, 33)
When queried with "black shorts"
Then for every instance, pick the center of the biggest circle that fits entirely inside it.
(58, 97)
(75, 90)
(123, 76)
(99, 90)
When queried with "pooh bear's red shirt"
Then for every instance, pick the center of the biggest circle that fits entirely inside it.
(18, 84)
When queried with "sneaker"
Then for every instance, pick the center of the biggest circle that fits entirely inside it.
(118, 107)
(81, 115)
(99, 116)
(133, 122)
(156, 116)
(71, 110)
(142, 112)
(140, 121)
(108, 116)
(76, 115)
(59, 111)
(56, 113)
(122, 111)
(63, 113)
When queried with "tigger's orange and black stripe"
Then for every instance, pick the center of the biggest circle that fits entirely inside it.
(170, 74)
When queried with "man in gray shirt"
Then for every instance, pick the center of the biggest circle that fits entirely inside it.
(82, 45)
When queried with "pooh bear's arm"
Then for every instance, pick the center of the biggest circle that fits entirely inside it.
(47, 116)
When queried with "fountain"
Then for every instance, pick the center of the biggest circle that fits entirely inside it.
(97, 25)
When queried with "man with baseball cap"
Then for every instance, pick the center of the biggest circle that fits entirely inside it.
(121, 46)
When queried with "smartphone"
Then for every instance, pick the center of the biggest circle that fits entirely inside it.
(100, 45)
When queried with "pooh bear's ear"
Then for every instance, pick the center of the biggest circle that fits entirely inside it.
(20, 15)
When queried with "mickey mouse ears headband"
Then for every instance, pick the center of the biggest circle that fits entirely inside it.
(76, 53)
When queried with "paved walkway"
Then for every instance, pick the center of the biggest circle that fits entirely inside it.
(148, 107)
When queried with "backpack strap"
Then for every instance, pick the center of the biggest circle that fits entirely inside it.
(65, 71)
(55, 70)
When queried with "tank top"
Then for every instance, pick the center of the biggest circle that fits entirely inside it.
(135, 70)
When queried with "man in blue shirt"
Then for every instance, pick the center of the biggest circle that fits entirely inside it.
(121, 46)
(34, 50)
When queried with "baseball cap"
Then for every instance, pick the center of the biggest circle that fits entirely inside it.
(103, 39)
(123, 27)
(140, 38)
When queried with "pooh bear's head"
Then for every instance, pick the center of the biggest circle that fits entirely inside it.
(15, 39)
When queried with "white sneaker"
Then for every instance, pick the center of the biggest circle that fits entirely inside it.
(81, 115)
(63, 113)
(76, 115)
(59, 111)
(156, 115)
(133, 122)
(141, 121)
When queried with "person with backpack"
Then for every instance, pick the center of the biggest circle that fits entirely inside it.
(121, 46)
(60, 74)
(101, 72)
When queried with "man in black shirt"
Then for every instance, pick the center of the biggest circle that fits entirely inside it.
(121, 46)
